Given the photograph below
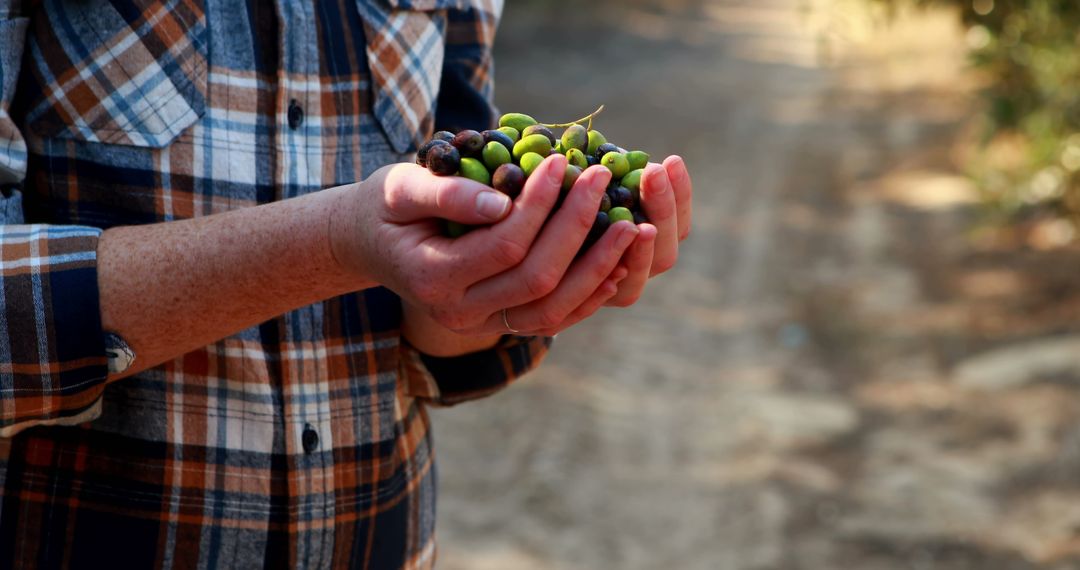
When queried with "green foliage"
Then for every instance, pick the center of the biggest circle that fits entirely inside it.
(1029, 53)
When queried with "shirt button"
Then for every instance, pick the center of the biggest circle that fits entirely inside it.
(310, 439)
(296, 115)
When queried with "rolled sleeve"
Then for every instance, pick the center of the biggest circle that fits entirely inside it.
(53, 363)
(453, 380)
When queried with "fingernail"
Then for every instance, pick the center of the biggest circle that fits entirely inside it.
(556, 172)
(626, 237)
(601, 188)
(492, 205)
(620, 273)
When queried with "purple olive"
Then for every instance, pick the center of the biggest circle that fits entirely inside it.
(621, 197)
(443, 136)
(509, 179)
(443, 160)
(499, 137)
(469, 143)
(421, 155)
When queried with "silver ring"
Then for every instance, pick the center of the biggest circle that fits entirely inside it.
(507, 323)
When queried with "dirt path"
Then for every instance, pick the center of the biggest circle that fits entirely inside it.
(838, 374)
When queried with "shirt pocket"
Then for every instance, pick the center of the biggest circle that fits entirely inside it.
(127, 72)
(405, 50)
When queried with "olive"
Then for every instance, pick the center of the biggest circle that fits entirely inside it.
(516, 120)
(640, 217)
(456, 229)
(495, 155)
(571, 176)
(577, 137)
(499, 137)
(474, 170)
(600, 225)
(595, 140)
(469, 142)
(443, 160)
(421, 155)
(443, 136)
(605, 202)
(620, 198)
(632, 180)
(616, 163)
(619, 214)
(637, 159)
(533, 143)
(539, 130)
(577, 158)
(606, 148)
(509, 179)
(529, 161)
(511, 132)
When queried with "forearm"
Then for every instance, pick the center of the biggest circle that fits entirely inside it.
(169, 288)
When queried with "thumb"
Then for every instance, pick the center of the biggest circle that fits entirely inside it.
(416, 194)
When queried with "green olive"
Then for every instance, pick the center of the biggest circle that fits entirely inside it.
(571, 177)
(517, 121)
(637, 159)
(619, 213)
(532, 143)
(495, 155)
(617, 164)
(475, 170)
(529, 162)
(455, 229)
(595, 140)
(577, 158)
(633, 179)
(577, 137)
(511, 132)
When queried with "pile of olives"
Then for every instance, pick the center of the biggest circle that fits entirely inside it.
(504, 158)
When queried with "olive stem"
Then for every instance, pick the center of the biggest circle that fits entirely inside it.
(588, 118)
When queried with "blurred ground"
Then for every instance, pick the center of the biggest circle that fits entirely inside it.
(841, 373)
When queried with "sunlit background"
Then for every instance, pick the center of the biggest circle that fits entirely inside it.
(868, 355)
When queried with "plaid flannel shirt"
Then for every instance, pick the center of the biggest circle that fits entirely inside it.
(300, 443)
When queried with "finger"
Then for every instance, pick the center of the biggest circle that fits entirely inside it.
(413, 193)
(608, 289)
(683, 187)
(658, 201)
(586, 275)
(551, 255)
(638, 260)
(487, 251)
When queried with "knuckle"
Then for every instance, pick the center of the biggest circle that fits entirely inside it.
(665, 264)
(599, 271)
(397, 198)
(542, 282)
(445, 193)
(550, 318)
(507, 252)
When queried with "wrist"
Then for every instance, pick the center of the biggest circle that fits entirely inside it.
(344, 241)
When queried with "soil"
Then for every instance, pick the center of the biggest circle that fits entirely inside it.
(848, 367)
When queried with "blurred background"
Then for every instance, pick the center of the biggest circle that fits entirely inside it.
(869, 353)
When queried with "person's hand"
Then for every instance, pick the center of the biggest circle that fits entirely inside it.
(666, 192)
(386, 230)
